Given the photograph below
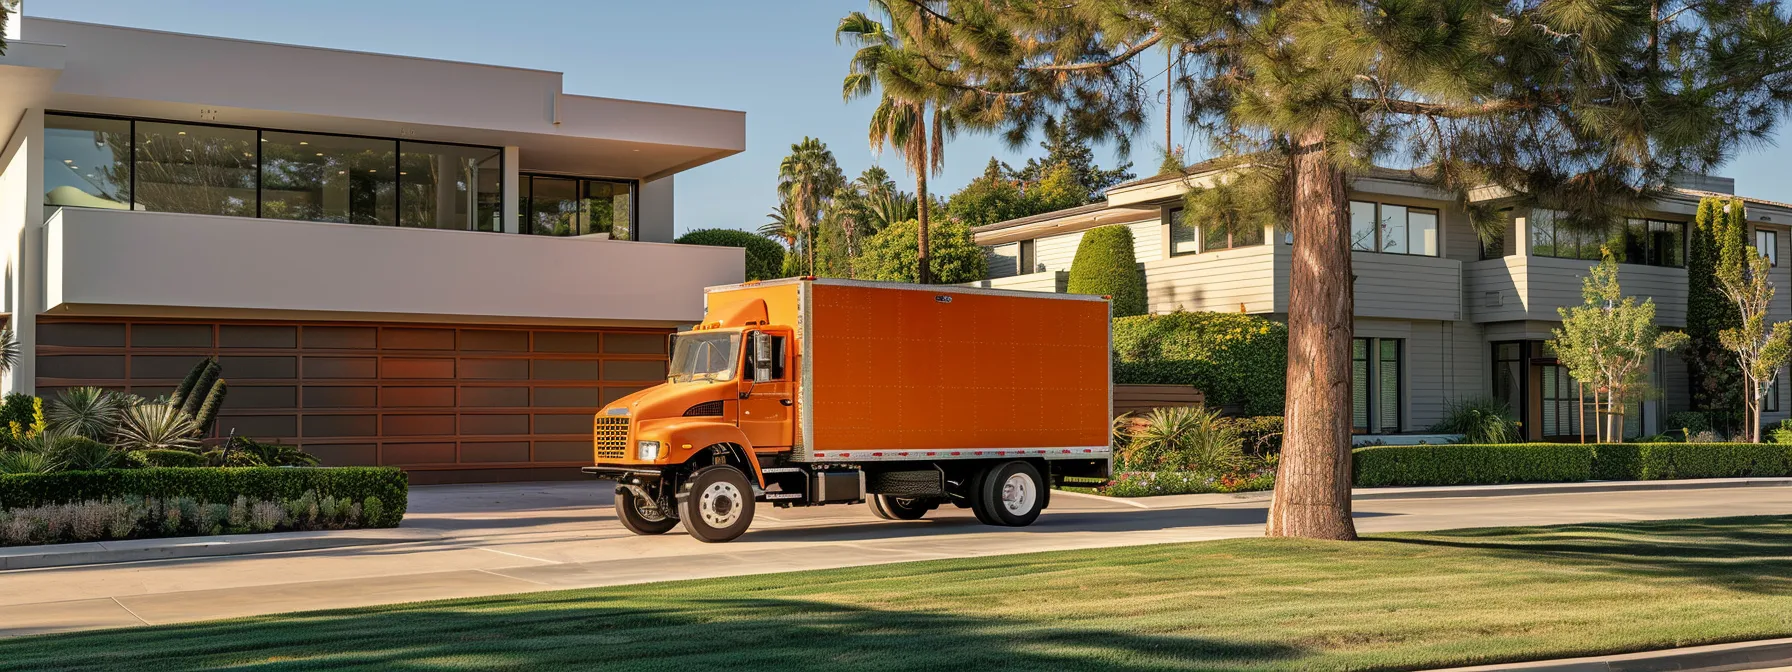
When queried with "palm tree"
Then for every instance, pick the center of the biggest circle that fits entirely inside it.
(908, 100)
(780, 225)
(807, 180)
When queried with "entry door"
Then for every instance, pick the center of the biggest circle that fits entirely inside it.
(766, 408)
(1560, 403)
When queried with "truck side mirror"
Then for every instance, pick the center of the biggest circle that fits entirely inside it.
(762, 357)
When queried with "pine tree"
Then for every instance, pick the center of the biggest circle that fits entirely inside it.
(1584, 108)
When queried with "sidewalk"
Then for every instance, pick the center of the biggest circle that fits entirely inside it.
(139, 550)
(1756, 655)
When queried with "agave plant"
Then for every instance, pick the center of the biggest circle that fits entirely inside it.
(28, 460)
(270, 454)
(80, 453)
(156, 426)
(93, 412)
(1480, 420)
(9, 349)
(1185, 439)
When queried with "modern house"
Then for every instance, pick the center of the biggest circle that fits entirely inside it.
(1439, 315)
(436, 265)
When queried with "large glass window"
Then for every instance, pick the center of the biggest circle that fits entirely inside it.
(565, 206)
(246, 172)
(1182, 233)
(328, 178)
(87, 162)
(1392, 229)
(1375, 391)
(201, 170)
(1639, 241)
(451, 187)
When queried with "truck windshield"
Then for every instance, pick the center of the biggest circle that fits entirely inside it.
(704, 356)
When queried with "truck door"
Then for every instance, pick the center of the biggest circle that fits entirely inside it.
(766, 392)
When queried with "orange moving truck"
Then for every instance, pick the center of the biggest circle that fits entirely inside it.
(803, 392)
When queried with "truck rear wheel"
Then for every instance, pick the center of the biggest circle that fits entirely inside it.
(1011, 494)
(640, 519)
(897, 508)
(719, 504)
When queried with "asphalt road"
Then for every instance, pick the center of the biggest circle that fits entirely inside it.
(496, 539)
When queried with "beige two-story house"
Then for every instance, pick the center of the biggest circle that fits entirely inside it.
(1441, 315)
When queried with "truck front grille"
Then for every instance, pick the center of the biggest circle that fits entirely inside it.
(610, 437)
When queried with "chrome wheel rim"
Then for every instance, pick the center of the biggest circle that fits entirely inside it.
(647, 512)
(1018, 494)
(720, 504)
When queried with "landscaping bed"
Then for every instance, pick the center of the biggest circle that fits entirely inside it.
(1390, 602)
(1492, 464)
(77, 506)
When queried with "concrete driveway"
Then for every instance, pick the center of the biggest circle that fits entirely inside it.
(479, 540)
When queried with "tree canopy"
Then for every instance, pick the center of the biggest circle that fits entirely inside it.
(891, 255)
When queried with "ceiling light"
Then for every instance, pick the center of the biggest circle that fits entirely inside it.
(264, 139)
(403, 173)
(341, 172)
(68, 160)
(183, 132)
(302, 142)
(320, 153)
(373, 171)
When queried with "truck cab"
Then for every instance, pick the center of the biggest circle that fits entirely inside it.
(738, 423)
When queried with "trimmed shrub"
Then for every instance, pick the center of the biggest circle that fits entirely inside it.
(1692, 422)
(1662, 461)
(1236, 360)
(213, 485)
(1105, 265)
(1617, 462)
(765, 257)
(892, 255)
(1472, 464)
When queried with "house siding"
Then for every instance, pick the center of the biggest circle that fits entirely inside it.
(1239, 280)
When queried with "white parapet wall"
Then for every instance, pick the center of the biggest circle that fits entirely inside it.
(112, 261)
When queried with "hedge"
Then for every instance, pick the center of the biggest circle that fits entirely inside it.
(1235, 359)
(765, 257)
(1470, 464)
(1105, 265)
(213, 485)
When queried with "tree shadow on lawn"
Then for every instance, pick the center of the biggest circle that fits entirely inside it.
(578, 629)
(1750, 554)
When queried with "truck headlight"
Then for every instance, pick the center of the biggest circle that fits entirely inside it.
(647, 450)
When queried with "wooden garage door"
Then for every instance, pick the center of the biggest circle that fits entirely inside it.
(414, 396)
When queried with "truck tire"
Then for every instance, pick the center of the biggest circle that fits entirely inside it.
(1012, 494)
(896, 508)
(718, 506)
(628, 510)
(974, 493)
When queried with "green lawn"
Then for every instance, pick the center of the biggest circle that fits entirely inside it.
(1391, 602)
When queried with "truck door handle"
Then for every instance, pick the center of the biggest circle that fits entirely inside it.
(787, 402)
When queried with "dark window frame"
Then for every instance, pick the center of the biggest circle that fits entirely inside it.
(1437, 218)
(1374, 404)
(397, 147)
(1175, 219)
(1581, 240)
(1773, 251)
(525, 186)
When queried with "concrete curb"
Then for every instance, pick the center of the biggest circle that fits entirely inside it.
(140, 550)
(1713, 658)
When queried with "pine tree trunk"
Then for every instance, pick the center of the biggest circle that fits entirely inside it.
(1312, 494)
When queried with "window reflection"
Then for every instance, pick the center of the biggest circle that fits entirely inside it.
(201, 170)
(87, 162)
(565, 206)
(608, 209)
(451, 187)
(325, 178)
(554, 207)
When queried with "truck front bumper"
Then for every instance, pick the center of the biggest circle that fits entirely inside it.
(620, 472)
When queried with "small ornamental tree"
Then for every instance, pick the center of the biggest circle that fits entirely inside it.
(1105, 265)
(1742, 276)
(1606, 343)
(891, 255)
(765, 257)
(1715, 381)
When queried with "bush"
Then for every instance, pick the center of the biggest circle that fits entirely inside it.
(1106, 265)
(1472, 464)
(133, 516)
(1187, 438)
(765, 257)
(1261, 435)
(1234, 359)
(171, 457)
(1617, 462)
(1692, 422)
(1661, 461)
(213, 485)
(1483, 420)
(890, 254)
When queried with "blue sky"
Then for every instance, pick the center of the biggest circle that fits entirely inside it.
(775, 60)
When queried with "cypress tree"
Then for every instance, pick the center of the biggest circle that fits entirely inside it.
(1713, 378)
(1105, 265)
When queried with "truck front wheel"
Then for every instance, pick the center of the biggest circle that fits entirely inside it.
(718, 506)
(640, 517)
(1010, 494)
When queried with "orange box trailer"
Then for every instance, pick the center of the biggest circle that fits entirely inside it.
(908, 397)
